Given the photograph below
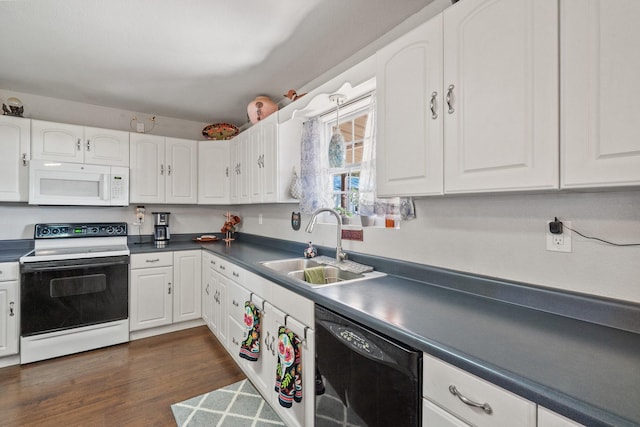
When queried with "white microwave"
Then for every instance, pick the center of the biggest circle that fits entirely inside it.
(56, 183)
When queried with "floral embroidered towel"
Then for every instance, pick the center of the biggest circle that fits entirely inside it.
(289, 368)
(250, 347)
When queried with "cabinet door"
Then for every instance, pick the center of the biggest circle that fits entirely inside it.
(600, 107)
(187, 285)
(269, 159)
(255, 162)
(182, 171)
(213, 173)
(106, 147)
(9, 324)
(301, 413)
(207, 290)
(237, 150)
(409, 121)
(57, 141)
(220, 312)
(15, 135)
(151, 299)
(147, 169)
(501, 82)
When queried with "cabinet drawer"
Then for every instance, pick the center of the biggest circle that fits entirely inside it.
(293, 304)
(434, 416)
(8, 271)
(231, 271)
(154, 259)
(237, 297)
(441, 379)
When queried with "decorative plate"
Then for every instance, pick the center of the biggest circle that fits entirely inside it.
(220, 131)
(206, 239)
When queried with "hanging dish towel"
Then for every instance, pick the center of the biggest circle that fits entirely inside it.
(250, 348)
(289, 368)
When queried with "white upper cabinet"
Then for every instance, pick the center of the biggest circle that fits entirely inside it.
(79, 144)
(15, 141)
(163, 170)
(240, 168)
(106, 147)
(409, 121)
(264, 160)
(501, 95)
(213, 172)
(600, 93)
(182, 171)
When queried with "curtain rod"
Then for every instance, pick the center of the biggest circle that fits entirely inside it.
(348, 103)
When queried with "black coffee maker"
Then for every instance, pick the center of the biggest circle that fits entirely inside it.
(161, 233)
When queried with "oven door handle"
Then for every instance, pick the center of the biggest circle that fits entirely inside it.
(49, 266)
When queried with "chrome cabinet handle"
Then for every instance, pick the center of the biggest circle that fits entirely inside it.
(235, 274)
(24, 159)
(235, 303)
(78, 144)
(152, 260)
(433, 105)
(212, 262)
(88, 145)
(449, 98)
(11, 313)
(161, 169)
(484, 406)
(226, 172)
(169, 288)
(273, 349)
(207, 289)
(222, 267)
(168, 169)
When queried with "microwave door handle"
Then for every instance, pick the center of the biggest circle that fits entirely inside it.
(104, 191)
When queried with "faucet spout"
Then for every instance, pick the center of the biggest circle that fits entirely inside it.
(340, 256)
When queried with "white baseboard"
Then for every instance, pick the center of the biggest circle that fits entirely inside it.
(145, 333)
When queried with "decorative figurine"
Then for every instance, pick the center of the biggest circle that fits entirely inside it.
(229, 227)
(310, 251)
(13, 107)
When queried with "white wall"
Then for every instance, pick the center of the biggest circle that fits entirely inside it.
(63, 111)
(18, 219)
(501, 236)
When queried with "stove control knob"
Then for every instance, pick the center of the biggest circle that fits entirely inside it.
(45, 231)
(55, 231)
(119, 229)
(110, 230)
(93, 230)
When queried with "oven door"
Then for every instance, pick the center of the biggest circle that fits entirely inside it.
(58, 295)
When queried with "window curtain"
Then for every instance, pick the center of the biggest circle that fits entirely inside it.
(314, 169)
(399, 207)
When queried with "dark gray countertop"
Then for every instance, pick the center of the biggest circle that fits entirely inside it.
(585, 371)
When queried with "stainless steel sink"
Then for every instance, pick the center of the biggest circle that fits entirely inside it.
(295, 267)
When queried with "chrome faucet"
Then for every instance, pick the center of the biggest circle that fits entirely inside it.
(340, 256)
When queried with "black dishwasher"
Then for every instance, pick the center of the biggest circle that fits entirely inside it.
(364, 378)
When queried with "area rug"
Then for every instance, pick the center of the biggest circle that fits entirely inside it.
(236, 405)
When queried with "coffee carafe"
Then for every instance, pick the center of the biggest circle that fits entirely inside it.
(161, 233)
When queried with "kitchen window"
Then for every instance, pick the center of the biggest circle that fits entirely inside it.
(345, 182)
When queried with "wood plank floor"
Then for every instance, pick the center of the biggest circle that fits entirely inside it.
(132, 384)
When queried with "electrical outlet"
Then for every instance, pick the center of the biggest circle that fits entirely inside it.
(559, 242)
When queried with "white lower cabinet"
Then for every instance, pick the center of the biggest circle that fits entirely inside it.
(214, 297)
(226, 288)
(163, 292)
(9, 309)
(472, 399)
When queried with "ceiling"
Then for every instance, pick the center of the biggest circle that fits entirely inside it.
(200, 60)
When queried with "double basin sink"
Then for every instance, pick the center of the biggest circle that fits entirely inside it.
(295, 268)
